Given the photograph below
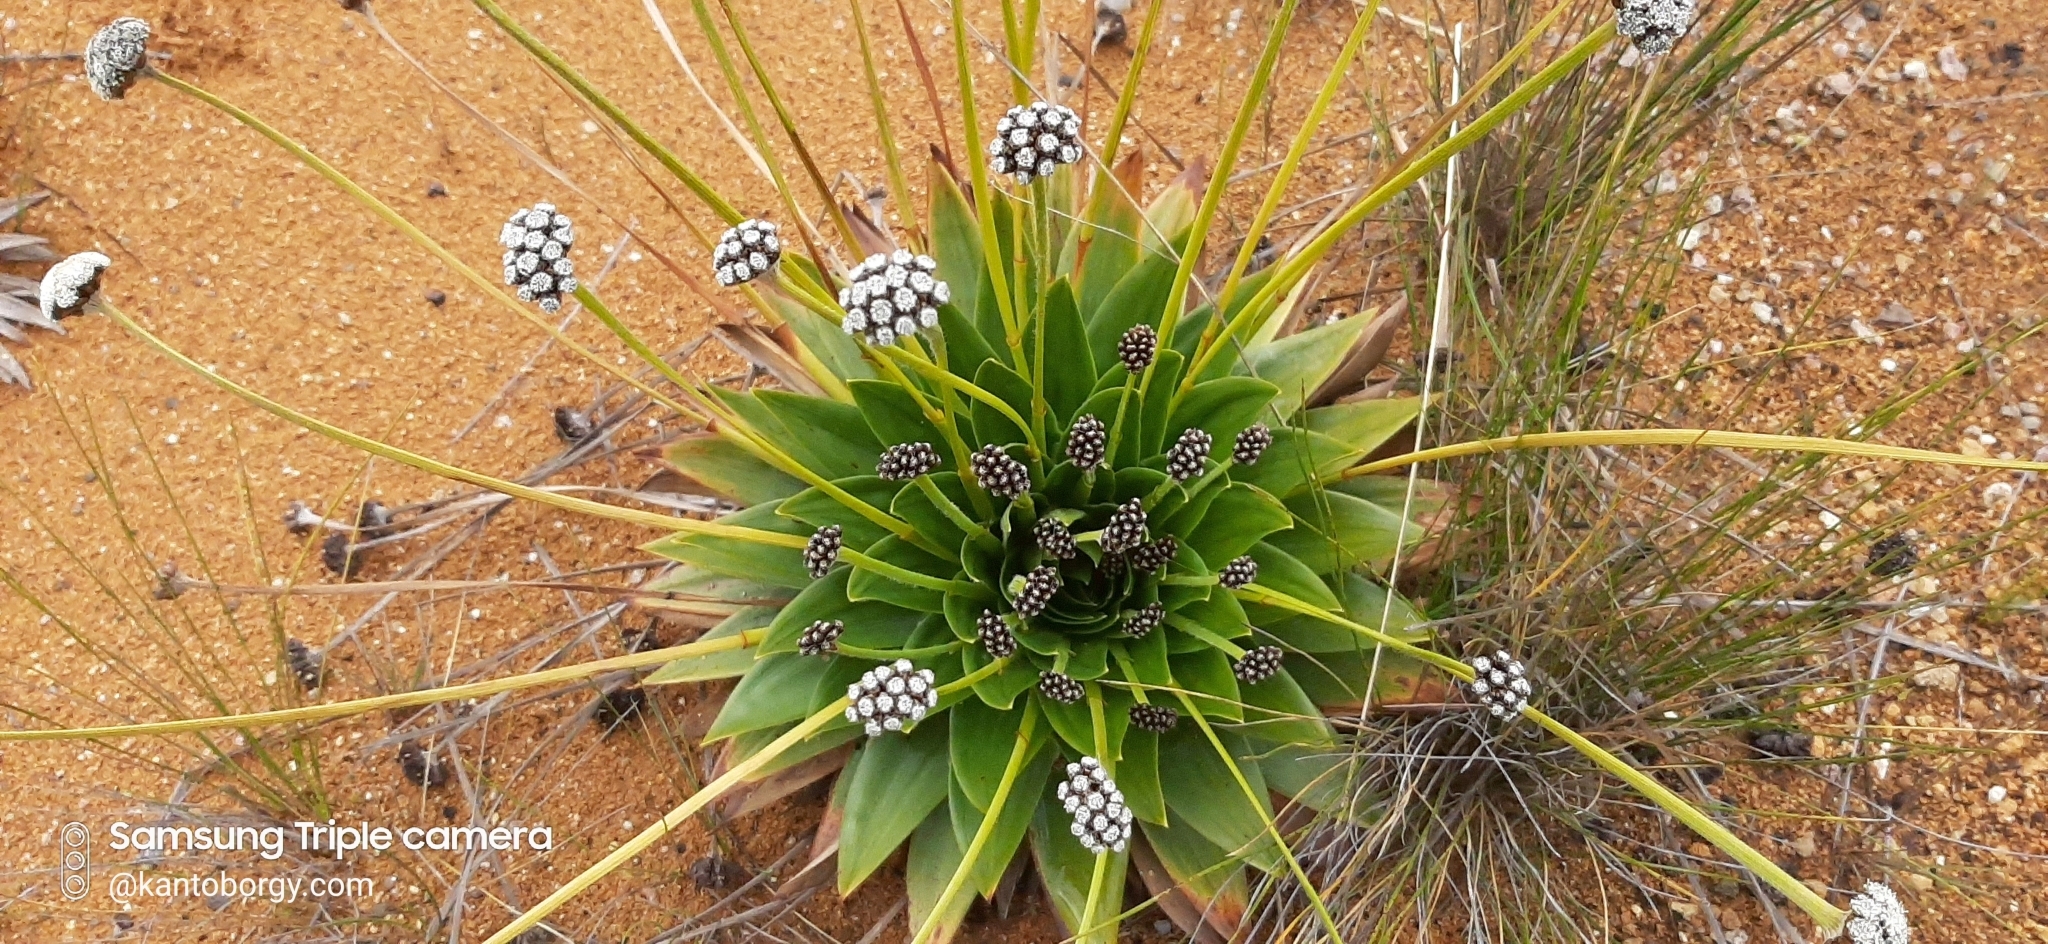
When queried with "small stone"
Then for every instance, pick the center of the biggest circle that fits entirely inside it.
(1945, 675)
(1896, 315)
(1915, 70)
(1951, 64)
(436, 297)
(1995, 795)
(1838, 86)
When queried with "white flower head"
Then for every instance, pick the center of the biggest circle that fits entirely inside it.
(114, 57)
(1654, 25)
(71, 283)
(1876, 917)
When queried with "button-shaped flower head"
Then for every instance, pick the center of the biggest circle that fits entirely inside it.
(1876, 917)
(1101, 820)
(822, 550)
(891, 697)
(537, 241)
(1034, 140)
(998, 474)
(1251, 444)
(1258, 665)
(891, 296)
(1653, 25)
(746, 252)
(995, 636)
(1502, 684)
(1087, 442)
(115, 57)
(1184, 460)
(820, 638)
(71, 283)
(1126, 529)
(906, 461)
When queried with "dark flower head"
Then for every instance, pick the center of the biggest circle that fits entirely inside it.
(1239, 573)
(1145, 620)
(1146, 558)
(1054, 539)
(1251, 444)
(1653, 25)
(1184, 461)
(1137, 347)
(822, 551)
(998, 474)
(906, 461)
(1257, 665)
(1060, 688)
(820, 638)
(1087, 442)
(1126, 529)
(1034, 590)
(1891, 556)
(995, 636)
(1157, 719)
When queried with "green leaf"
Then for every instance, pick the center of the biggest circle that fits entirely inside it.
(1206, 873)
(1203, 794)
(782, 566)
(868, 585)
(777, 691)
(1157, 408)
(817, 508)
(934, 856)
(698, 583)
(1001, 689)
(731, 663)
(827, 341)
(962, 344)
(1238, 518)
(1140, 296)
(1069, 367)
(1207, 672)
(730, 472)
(1336, 681)
(1113, 226)
(1277, 711)
(917, 509)
(956, 243)
(1223, 408)
(1297, 458)
(1365, 425)
(1279, 570)
(835, 434)
(1012, 821)
(991, 427)
(898, 781)
(981, 741)
(1067, 869)
(1299, 363)
(1137, 775)
(1334, 531)
(892, 415)
(869, 624)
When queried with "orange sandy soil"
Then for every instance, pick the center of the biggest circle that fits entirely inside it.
(252, 264)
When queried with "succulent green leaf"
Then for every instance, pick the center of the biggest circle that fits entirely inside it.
(1297, 458)
(917, 509)
(730, 472)
(1334, 531)
(1076, 726)
(1239, 517)
(1206, 672)
(816, 508)
(1157, 409)
(835, 435)
(702, 584)
(1139, 297)
(981, 741)
(1224, 407)
(1299, 363)
(869, 624)
(1114, 226)
(1277, 711)
(1206, 873)
(1365, 425)
(1279, 570)
(897, 781)
(1001, 689)
(934, 856)
(1137, 775)
(1013, 821)
(1069, 367)
(782, 566)
(892, 416)
(777, 691)
(731, 663)
(1067, 869)
(1203, 794)
(1336, 680)
(956, 244)
(991, 427)
(868, 585)
(833, 347)
(962, 343)
(748, 744)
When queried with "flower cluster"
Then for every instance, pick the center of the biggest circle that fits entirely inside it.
(995, 636)
(1257, 665)
(1034, 140)
(1087, 442)
(1136, 347)
(1653, 25)
(1184, 460)
(114, 57)
(891, 697)
(1502, 685)
(1876, 917)
(1126, 529)
(822, 550)
(1035, 589)
(1053, 538)
(820, 638)
(893, 296)
(1145, 620)
(998, 474)
(746, 252)
(1239, 573)
(537, 242)
(906, 461)
(1060, 688)
(71, 283)
(1157, 719)
(1251, 444)
(1101, 820)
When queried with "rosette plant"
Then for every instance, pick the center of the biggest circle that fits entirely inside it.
(1047, 545)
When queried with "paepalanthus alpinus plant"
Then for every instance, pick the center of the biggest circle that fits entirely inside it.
(1042, 510)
